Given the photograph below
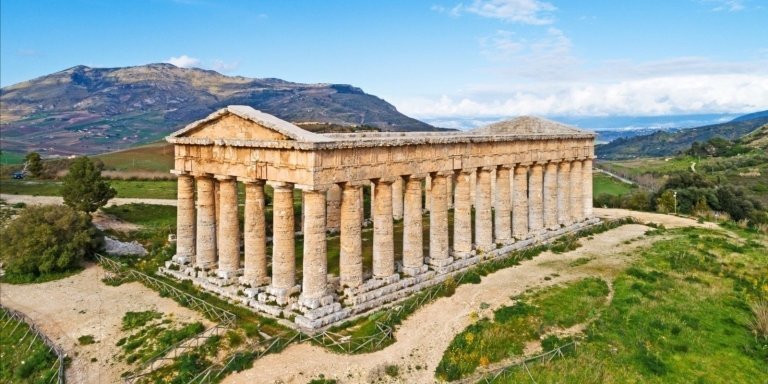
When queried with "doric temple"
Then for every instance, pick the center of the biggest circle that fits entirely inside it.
(460, 198)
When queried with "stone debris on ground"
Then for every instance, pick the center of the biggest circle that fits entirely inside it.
(116, 247)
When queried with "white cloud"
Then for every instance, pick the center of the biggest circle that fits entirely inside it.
(219, 65)
(533, 12)
(727, 5)
(184, 61)
(661, 95)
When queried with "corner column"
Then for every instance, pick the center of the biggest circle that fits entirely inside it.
(550, 196)
(462, 215)
(254, 235)
(587, 187)
(283, 241)
(535, 197)
(205, 244)
(383, 241)
(438, 223)
(563, 193)
(502, 218)
(351, 253)
(229, 228)
(576, 209)
(483, 215)
(314, 261)
(413, 238)
(185, 220)
(520, 204)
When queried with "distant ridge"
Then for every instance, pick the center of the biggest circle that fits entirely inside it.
(662, 143)
(85, 110)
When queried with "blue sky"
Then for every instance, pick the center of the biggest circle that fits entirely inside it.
(434, 59)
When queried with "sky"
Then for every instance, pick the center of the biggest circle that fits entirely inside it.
(438, 60)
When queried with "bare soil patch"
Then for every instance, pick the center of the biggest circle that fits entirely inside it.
(83, 305)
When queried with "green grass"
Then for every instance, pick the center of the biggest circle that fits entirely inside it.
(679, 315)
(151, 336)
(504, 336)
(17, 364)
(155, 157)
(86, 340)
(7, 157)
(147, 189)
(36, 279)
(602, 183)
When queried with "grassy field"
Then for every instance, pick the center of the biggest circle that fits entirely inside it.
(155, 157)
(680, 314)
(602, 183)
(21, 359)
(157, 189)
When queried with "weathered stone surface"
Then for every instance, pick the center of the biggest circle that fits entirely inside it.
(333, 210)
(520, 202)
(351, 257)
(483, 215)
(383, 242)
(549, 203)
(315, 265)
(535, 199)
(577, 202)
(413, 246)
(206, 223)
(254, 235)
(438, 221)
(229, 228)
(502, 214)
(185, 218)
(397, 198)
(462, 215)
(587, 187)
(283, 251)
(564, 193)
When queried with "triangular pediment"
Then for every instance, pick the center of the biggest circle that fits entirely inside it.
(240, 122)
(527, 125)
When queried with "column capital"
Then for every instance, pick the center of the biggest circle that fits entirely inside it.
(199, 175)
(505, 166)
(224, 177)
(180, 173)
(312, 188)
(383, 180)
(417, 176)
(466, 171)
(487, 168)
(441, 173)
(351, 185)
(277, 185)
(248, 180)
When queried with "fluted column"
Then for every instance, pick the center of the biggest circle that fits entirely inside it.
(535, 196)
(502, 218)
(283, 242)
(449, 191)
(383, 242)
(351, 254)
(314, 261)
(206, 223)
(229, 228)
(483, 216)
(254, 235)
(462, 216)
(550, 196)
(397, 199)
(427, 197)
(564, 193)
(520, 203)
(473, 188)
(413, 242)
(576, 209)
(185, 220)
(587, 187)
(333, 208)
(438, 222)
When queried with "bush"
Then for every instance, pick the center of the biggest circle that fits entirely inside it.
(46, 240)
(83, 188)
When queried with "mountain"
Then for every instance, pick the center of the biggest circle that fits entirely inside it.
(757, 138)
(86, 110)
(663, 143)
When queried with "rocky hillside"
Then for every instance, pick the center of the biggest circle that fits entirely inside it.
(665, 143)
(91, 110)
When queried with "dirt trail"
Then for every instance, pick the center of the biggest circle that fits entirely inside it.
(41, 200)
(82, 305)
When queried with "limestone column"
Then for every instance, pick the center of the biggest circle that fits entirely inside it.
(185, 220)
(462, 215)
(397, 199)
(333, 208)
(206, 223)
(535, 197)
(427, 197)
(502, 219)
(473, 188)
(563, 193)
(576, 209)
(254, 235)
(438, 222)
(217, 206)
(315, 262)
(283, 242)
(351, 254)
(413, 242)
(483, 216)
(587, 187)
(520, 203)
(373, 199)
(449, 191)
(229, 228)
(383, 241)
(550, 196)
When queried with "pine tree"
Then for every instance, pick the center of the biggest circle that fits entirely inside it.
(84, 189)
(34, 164)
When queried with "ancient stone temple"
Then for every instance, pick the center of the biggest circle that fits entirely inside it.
(252, 189)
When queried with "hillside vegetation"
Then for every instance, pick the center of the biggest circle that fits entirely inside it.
(662, 143)
(85, 110)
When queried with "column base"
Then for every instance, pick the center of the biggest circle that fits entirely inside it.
(437, 263)
(281, 296)
(254, 282)
(414, 271)
(182, 260)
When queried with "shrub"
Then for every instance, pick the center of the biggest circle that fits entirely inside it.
(83, 187)
(46, 240)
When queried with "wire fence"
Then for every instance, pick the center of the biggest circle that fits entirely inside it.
(9, 316)
(500, 373)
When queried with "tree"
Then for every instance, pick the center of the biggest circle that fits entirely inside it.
(34, 164)
(47, 239)
(84, 189)
(666, 202)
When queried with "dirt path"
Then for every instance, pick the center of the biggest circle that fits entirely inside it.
(82, 305)
(40, 200)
